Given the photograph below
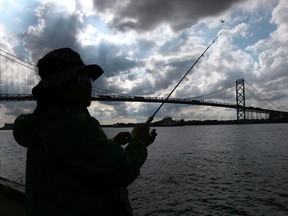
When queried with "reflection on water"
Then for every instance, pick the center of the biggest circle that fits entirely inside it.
(200, 170)
(12, 158)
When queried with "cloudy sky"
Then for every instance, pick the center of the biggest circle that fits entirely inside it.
(146, 46)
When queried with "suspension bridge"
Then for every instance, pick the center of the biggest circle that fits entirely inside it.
(18, 77)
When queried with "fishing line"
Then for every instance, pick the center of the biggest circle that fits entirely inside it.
(150, 119)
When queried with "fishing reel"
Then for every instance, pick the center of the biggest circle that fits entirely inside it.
(152, 134)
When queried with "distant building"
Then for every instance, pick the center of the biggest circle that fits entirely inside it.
(167, 121)
(7, 126)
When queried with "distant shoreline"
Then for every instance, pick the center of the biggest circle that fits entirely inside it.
(195, 123)
(9, 126)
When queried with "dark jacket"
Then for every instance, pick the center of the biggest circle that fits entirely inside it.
(71, 164)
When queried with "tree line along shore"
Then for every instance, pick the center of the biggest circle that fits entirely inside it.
(168, 122)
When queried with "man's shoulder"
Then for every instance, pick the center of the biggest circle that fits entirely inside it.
(77, 118)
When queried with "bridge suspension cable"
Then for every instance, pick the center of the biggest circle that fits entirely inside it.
(17, 60)
(17, 76)
(222, 95)
(261, 100)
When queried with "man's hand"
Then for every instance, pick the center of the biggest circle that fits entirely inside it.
(122, 138)
(143, 133)
(153, 135)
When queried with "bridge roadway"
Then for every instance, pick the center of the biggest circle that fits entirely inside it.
(188, 101)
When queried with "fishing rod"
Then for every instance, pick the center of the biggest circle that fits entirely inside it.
(150, 119)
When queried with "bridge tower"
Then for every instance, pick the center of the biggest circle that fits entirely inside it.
(240, 99)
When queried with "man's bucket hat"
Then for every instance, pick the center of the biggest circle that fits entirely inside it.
(60, 66)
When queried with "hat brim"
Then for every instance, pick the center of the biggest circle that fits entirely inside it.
(93, 70)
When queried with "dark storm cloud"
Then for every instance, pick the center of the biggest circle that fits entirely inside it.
(144, 15)
(107, 55)
(53, 31)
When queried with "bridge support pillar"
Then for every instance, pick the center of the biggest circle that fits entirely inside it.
(240, 99)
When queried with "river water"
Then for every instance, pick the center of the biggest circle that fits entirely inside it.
(199, 170)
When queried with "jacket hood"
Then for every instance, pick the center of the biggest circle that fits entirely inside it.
(25, 129)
